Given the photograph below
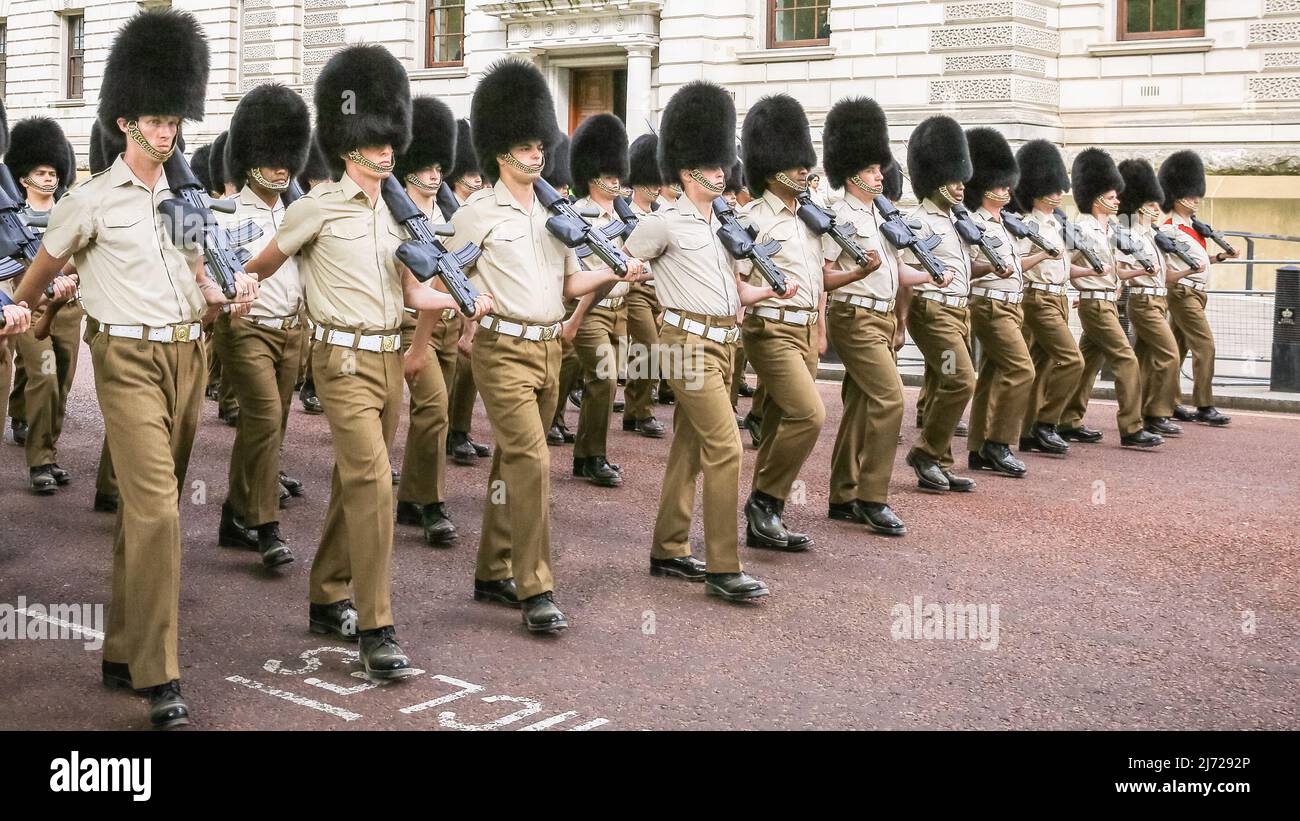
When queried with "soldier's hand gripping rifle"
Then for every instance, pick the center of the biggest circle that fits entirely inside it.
(1020, 229)
(903, 235)
(740, 243)
(1171, 244)
(1206, 231)
(18, 243)
(574, 230)
(425, 254)
(1076, 240)
(1127, 242)
(976, 237)
(822, 221)
(189, 217)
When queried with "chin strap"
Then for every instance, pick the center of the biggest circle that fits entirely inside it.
(1186, 204)
(798, 188)
(355, 156)
(612, 190)
(1107, 207)
(133, 131)
(695, 174)
(267, 184)
(946, 194)
(1054, 201)
(1152, 213)
(530, 170)
(873, 190)
(44, 189)
(1000, 199)
(412, 179)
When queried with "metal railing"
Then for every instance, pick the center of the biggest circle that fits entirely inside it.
(1250, 262)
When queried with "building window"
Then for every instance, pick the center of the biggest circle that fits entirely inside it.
(4, 52)
(793, 23)
(76, 66)
(445, 42)
(1160, 19)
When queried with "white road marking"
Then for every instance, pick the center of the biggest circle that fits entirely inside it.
(448, 718)
(590, 725)
(302, 701)
(66, 625)
(466, 689)
(550, 722)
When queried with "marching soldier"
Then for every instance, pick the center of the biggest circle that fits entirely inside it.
(516, 351)
(1097, 184)
(557, 172)
(148, 296)
(861, 321)
(1053, 351)
(267, 145)
(701, 296)
(1154, 345)
(314, 173)
(1182, 176)
(38, 159)
(781, 334)
(421, 493)
(465, 179)
(598, 159)
(220, 388)
(938, 162)
(739, 387)
(1006, 372)
(345, 238)
(643, 308)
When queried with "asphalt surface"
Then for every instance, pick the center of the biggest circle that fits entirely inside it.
(1133, 590)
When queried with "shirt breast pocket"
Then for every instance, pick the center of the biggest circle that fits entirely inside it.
(783, 232)
(508, 233)
(350, 230)
(125, 234)
(693, 240)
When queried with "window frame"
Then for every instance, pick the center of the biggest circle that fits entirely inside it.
(4, 56)
(773, 43)
(1124, 35)
(431, 37)
(74, 59)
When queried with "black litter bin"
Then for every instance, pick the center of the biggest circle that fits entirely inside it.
(1285, 374)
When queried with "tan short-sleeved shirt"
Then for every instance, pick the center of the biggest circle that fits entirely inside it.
(131, 273)
(951, 251)
(664, 202)
(693, 272)
(1007, 250)
(799, 258)
(281, 295)
(881, 283)
(1181, 227)
(620, 288)
(1144, 234)
(1099, 233)
(522, 265)
(345, 249)
(1049, 271)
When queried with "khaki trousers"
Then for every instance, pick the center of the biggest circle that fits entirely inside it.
(737, 372)
(1157, 353)
(1055, 356)
(1006, 373)
(705, 440)
(50, 365)
(6, 376)
(106, 478)
(519, 383)
(424, 464)
(785, 358)
(17, 396)
(596, 345)
(262, 365)
(643, 312)
(362, 395)
(1192, 333)
(872, 392)
(150, 394)
(1104, 340)
(942, 333)
(463, 395)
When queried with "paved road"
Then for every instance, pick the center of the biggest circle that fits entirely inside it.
(1132, 590)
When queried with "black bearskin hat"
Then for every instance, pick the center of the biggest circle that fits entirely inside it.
(466, 160)
(362, 99)
(39, 141)
(557, 171)
(270, 128)
(158, 65)
(317, 167)
(433, 138)
(511, 105)
(1182, 174)
(1140, 186)
(599, 147)
(201, 164)
(995, 166)
(736, 178)
(1094, 173)
(893, 182)
(697, 130)
(775, 137)
(856, 135)
(937, 155)
(218, 174)
(97, 156)
(642, 167)
(1042, 173)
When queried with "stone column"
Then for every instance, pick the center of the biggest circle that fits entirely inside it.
(639, 115)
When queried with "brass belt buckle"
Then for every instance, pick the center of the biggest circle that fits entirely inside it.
(180, 333)
(387, 343)
(548, 333)
(448, 314)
